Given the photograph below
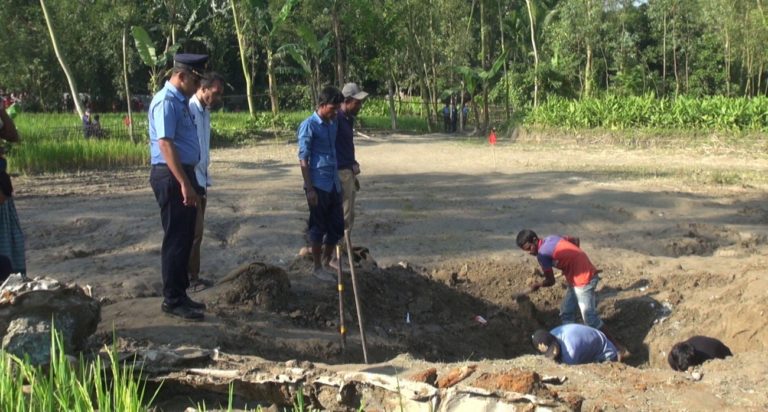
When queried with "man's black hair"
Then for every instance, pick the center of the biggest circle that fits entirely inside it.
(210, 78)
(525, 236)
(330, 95)
(681, 356)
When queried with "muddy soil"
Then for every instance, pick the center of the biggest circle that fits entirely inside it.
(438, 215)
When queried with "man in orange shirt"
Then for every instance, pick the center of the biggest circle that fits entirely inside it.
(564, 253)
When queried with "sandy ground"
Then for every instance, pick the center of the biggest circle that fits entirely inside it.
(681, 255)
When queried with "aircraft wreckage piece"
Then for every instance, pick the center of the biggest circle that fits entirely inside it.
(29, 310)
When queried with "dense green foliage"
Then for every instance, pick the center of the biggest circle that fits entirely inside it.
(424, 50)
(620, 113)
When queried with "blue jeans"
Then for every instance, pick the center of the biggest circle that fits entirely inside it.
(583, 298)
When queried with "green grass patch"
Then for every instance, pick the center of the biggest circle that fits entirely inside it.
(96, 385)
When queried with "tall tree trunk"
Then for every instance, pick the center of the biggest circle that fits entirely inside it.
(588, 73)
(590, 57)
(244, 60)
(64, 66)
(462, 118)
(337, 35)
(428, 95)
(727, 62)
(425, 100)
(503, 52)
(664, 56)
(127, 92)
(273, 97)
(433, 59)
(535, 56)
(484, 50)
(674, 57)
(391, 98)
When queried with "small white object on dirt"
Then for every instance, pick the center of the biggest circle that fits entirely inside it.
(696, 375)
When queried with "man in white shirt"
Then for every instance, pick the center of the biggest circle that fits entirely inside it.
(207, 96)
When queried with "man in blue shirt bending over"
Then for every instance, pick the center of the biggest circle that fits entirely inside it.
(319, 168)
(575, 344)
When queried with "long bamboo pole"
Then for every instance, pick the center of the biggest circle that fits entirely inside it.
(357, 296)
(342, 327)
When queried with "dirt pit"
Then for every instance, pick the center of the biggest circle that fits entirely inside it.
(438, 315)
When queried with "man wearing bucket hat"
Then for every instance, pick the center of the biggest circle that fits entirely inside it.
(175, 150)
(574, 344)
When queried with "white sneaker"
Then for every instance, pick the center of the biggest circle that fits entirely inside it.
(323, 275)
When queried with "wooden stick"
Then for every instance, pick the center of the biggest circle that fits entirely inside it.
(342, 328)
(357, 298)
(363, 134)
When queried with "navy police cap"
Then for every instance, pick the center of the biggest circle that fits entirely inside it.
(194, 62)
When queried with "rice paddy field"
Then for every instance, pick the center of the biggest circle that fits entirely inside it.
(56, 142)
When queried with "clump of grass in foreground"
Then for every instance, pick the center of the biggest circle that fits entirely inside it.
(71, 386)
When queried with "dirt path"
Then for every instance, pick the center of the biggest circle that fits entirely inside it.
(682, 256)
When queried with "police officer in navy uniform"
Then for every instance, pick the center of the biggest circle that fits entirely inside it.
(175, 150)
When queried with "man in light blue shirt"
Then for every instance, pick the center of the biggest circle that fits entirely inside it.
(174, 151)
(319, 169)
(575, 344)
(207, 96)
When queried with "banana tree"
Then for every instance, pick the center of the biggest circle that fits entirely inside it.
(149, 56)
(267, 28)
(309, 54)
(474, 77)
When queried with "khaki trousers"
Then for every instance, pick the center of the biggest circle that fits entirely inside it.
(194, 257)
(347, 178)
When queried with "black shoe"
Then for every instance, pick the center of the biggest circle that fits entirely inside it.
(183, 311)
(192, 304)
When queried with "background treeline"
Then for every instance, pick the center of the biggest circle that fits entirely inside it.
(510, 57)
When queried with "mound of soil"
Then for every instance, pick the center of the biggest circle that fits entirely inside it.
(257, 284)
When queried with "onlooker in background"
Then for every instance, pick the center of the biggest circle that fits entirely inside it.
(695, 351)
(206, 97)
(11, 236)
(574, 344)
(447, 117)
(96, 130)
(319, 169)
(175, 150)
(454, 116)
(87, 123)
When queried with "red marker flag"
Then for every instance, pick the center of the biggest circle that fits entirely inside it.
(492, 137)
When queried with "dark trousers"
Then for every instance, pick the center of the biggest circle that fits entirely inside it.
(5, 268)
(326, 220)
(179, 231)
